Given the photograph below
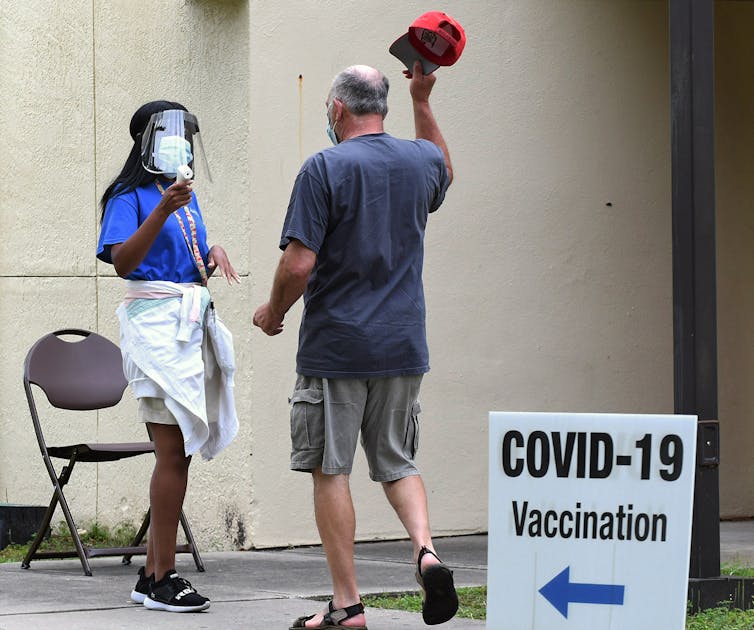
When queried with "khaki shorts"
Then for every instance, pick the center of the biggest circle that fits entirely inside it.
(154, 410)
(328, 414)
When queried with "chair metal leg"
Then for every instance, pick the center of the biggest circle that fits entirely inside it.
(59, 498)
(192, 543)
(75, 535)
(57, 485)
(139, 536)
(39, 537)
(61, 481)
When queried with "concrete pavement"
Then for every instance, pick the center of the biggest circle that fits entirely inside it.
(256, 590)
(249, 589)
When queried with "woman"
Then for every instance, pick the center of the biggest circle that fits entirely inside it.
(177, 355)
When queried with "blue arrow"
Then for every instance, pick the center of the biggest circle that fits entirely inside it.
(560, 592)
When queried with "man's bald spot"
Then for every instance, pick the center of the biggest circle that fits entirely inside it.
(365, 72)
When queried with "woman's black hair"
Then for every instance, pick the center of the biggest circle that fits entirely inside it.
(133, 174)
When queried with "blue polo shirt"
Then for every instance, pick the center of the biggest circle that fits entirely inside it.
(169, 258)
(362, 207)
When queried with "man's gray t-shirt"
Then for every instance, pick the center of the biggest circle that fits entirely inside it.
(362, 207)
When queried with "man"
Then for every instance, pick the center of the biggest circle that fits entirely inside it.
(352, 244)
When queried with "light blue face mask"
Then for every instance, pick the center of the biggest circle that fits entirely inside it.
(173, 151)
(329, 130)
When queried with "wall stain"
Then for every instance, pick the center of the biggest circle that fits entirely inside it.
(235, 529)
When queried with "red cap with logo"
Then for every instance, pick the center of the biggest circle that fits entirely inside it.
(433, 38)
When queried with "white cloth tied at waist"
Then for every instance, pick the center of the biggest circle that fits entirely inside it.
(190, 294)
(176, 348)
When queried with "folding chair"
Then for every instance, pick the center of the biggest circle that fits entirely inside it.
(83, 375)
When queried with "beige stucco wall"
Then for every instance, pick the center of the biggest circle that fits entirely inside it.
(548, 268)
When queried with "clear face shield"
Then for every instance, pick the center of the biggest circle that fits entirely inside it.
(171, 139)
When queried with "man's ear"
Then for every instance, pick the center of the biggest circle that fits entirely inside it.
(338, 109)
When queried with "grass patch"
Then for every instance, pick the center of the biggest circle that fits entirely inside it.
(410, 602)
(92, 535)
(721, 618)
(737, 570)
(472, 602)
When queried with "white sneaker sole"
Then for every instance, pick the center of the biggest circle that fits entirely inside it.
(155, 605)
(137, 597)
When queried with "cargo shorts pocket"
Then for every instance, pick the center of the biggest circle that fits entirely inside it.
(307, 419)
(412, 430)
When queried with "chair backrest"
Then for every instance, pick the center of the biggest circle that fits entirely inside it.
(80, 375)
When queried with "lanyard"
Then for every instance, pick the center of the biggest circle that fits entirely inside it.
(193, 241)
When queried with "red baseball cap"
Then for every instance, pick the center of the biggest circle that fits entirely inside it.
(433, 38)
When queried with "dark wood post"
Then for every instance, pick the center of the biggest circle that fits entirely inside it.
(694, 287)
(694, 284)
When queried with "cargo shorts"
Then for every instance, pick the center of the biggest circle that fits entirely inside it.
(327, 416)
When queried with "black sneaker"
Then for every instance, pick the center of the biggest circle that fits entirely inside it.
(141, 590)
(174, 594)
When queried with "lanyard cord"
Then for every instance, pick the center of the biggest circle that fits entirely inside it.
(193, 242)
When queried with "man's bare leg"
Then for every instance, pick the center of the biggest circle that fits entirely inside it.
(409, 500)
(336, 522)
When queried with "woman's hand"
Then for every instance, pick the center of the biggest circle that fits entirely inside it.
(176, 196)
(218, 259)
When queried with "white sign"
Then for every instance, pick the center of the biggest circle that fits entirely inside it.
(589, 521)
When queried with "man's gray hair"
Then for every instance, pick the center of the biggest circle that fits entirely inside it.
(362, 89)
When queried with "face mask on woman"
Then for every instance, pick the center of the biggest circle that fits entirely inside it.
(172, 152)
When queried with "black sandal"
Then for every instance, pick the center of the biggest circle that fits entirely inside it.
(333, 618)
(440, 601)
